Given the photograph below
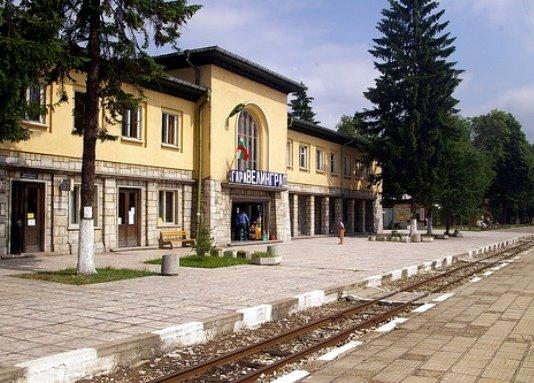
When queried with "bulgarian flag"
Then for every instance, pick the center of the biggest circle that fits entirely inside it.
(242, 150)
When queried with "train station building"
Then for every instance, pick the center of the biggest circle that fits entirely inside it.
(212, 140)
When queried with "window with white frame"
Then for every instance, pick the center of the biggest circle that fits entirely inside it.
(167, 206)
(36, 101)
(333, 165)
(303, 156)
(346, 166)
(289, 153)
(170, 129)
(75, 205)
(132, 123)
(319, 159)
(248, 135)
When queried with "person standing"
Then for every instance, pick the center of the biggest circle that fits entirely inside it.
(242, 222)
(340, 231)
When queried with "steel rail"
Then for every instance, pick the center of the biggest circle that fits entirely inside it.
(262, 346)
(343, 335)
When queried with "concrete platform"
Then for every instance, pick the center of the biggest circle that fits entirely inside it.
(484, 333)
(38, 319)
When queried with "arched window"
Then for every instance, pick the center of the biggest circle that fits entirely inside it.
(248, 132)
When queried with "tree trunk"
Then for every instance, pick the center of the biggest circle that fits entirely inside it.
(447, 224)
(429, 226)
(413, 221)
(86, 252)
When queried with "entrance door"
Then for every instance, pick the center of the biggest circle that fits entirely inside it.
(128, 219)
(27, 217)
(255, 211)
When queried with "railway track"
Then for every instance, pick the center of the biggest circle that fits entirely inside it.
(247, 364)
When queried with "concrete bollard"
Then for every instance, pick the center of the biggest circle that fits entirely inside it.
(273, 250)
(416, 237)
(169, 264)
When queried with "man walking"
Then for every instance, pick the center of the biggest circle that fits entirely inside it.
(242, 222)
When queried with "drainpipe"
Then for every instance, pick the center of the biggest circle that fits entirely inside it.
(198, 121)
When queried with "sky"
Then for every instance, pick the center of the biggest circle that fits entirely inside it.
(325, 44)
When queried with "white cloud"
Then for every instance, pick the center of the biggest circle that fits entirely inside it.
(275, 35)
(518, 101)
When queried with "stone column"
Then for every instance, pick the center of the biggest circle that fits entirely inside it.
(151, 218)
(61, 218)
(109, 224)
(310, 215)
(350, 216)
(4, 203)
(325, 219)
(295, 207)
(283, 229)
(363, 210)
(378, 221)
(187, 206)
(338, 211)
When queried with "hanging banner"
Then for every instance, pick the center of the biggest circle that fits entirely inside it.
(258, 178)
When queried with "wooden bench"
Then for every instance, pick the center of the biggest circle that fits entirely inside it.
(173, 237)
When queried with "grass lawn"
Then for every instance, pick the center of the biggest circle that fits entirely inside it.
(69, 276)
(207, 262)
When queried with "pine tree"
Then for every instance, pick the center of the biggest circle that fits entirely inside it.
(301, 106)
(107, 41)
(412, 98)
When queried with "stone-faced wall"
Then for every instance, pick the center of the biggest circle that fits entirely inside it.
(62, 238)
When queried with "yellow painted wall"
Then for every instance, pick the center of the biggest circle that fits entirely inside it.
(55, 136)
(312, 176)
(268, 107)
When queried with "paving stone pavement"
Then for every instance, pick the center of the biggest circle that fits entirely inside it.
(41, 318)
(484, 333)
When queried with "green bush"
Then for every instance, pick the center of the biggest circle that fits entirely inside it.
(261, 254)
(204, 242)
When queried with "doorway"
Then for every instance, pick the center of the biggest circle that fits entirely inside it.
(129, 217)
(256, 213)
(27, 217)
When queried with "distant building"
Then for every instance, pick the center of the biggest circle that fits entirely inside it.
(298, 180)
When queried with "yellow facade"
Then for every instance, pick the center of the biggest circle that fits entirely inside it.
(55, 138)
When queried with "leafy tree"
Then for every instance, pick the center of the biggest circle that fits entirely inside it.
(466, 176)
(301, 106)
(499, 134)
(107, 42)
(30, 49)
(408, 126)
(349, 125)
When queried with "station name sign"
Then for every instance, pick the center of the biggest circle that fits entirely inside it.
(258, 178)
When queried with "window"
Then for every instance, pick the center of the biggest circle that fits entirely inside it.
(346, 167)
(170, 129)
(167, 206)
(75, 201)
(132, 123)
(248, 135)
(333, 165)
(36, 100)
(289, 153)
(79, 111)
(303, 156)
(319, 160)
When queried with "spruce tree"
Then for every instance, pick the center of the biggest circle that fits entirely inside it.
(301, 106)
(412, 98)
(107, 42)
